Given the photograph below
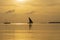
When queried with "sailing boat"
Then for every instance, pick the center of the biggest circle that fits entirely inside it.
(30, 23)
(9, 11)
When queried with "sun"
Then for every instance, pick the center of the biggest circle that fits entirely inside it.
(22, 1)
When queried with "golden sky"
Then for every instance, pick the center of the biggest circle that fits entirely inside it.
(43, 10)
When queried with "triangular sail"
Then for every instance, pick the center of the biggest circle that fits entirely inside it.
(30, 21)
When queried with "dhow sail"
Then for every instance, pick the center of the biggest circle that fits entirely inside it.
(30, 23)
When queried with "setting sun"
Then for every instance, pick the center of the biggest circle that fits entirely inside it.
(21, 1)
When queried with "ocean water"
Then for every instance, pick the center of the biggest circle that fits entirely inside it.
(37, 32)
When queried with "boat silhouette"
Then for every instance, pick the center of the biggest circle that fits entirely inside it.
(30, 23)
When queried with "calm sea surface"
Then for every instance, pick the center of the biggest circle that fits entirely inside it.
(37, 32)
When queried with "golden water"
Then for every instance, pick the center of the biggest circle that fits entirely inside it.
(37, 32)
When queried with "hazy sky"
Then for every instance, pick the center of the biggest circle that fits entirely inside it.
(43, 10)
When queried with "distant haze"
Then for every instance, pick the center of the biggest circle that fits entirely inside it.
(43, 11)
